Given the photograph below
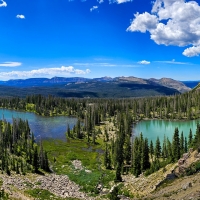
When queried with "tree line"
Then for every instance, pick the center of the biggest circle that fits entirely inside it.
(18, 149)
(120, 153)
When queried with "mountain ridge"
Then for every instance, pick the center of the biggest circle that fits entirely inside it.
(104, 87)
(167, 82)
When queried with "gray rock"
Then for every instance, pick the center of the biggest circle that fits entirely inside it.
(186, 186)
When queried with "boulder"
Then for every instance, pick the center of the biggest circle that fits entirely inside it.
(186, 185)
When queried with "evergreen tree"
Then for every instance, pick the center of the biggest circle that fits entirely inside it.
(127, 150)
(164, 148)
(182, 144)
(169, 150)
(186, 145)
(107, 161)
(145, 164)
(157, 150)
(176, 145)
(151, 150)
(196, 140)
(136, 164)
(35, 159)
(190, 138)
(78, 129)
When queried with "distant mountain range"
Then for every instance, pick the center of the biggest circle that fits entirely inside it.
(105, 87)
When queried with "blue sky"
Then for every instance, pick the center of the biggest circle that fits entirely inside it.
(90, 38)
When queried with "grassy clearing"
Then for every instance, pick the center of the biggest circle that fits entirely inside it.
(61, 154)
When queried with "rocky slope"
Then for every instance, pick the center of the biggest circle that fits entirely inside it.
(163, 184)
(171, 83)
(166, 82)
(59, 185)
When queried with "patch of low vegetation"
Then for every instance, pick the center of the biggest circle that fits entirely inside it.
(61, 154)
(45, 195)
(3, 195)
(124, 191)
(165, 183)
(194, 168)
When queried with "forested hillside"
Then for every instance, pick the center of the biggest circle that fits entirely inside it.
(106, 126)
(19, 152)
(105, 87)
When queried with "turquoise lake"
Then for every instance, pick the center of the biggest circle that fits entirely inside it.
(55, 127)
(42, 127)
(152, 129)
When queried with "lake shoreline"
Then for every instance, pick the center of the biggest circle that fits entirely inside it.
(153, 128)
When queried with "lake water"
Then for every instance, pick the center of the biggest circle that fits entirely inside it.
(44, 127)
(158, 128)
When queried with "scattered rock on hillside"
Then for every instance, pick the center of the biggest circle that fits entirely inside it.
(77, 164)
(186, 185)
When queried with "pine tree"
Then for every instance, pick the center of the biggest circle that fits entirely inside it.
(186, 145)
(190, 138)
(182, 143)
(46, 165)
(127, 150)
(78, 129)
(157, 150)
(151, 150)
(196, 140)
(35, 159)
(136, 164)
(176, 145)
(145, 164)
(164, 148)
(107, 161)
(169, 150)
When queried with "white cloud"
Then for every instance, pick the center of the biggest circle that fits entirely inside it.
(144, 62)
(10, 64)
(171, 22)
(43, 72)
(93, 8)
(143, 22)
(3, 4)
(120, 1)
(100, 1)
(192, 51)
(20, 16)
(173, 62)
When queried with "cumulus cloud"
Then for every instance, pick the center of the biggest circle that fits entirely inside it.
(171, 22)
(144, 62)
(143, 22)
(10, 64)
(93, 8)
(192, 51)
(43, 72)
(20, 16)
(3, 3)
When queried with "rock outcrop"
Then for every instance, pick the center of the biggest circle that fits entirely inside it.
(59, 185)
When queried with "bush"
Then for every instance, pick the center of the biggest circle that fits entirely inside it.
(194, 168)
(114, 194)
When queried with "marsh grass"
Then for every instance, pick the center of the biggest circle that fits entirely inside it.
(62, 153)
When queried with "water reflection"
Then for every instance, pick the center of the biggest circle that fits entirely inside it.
(44, 127)
(158, 128)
